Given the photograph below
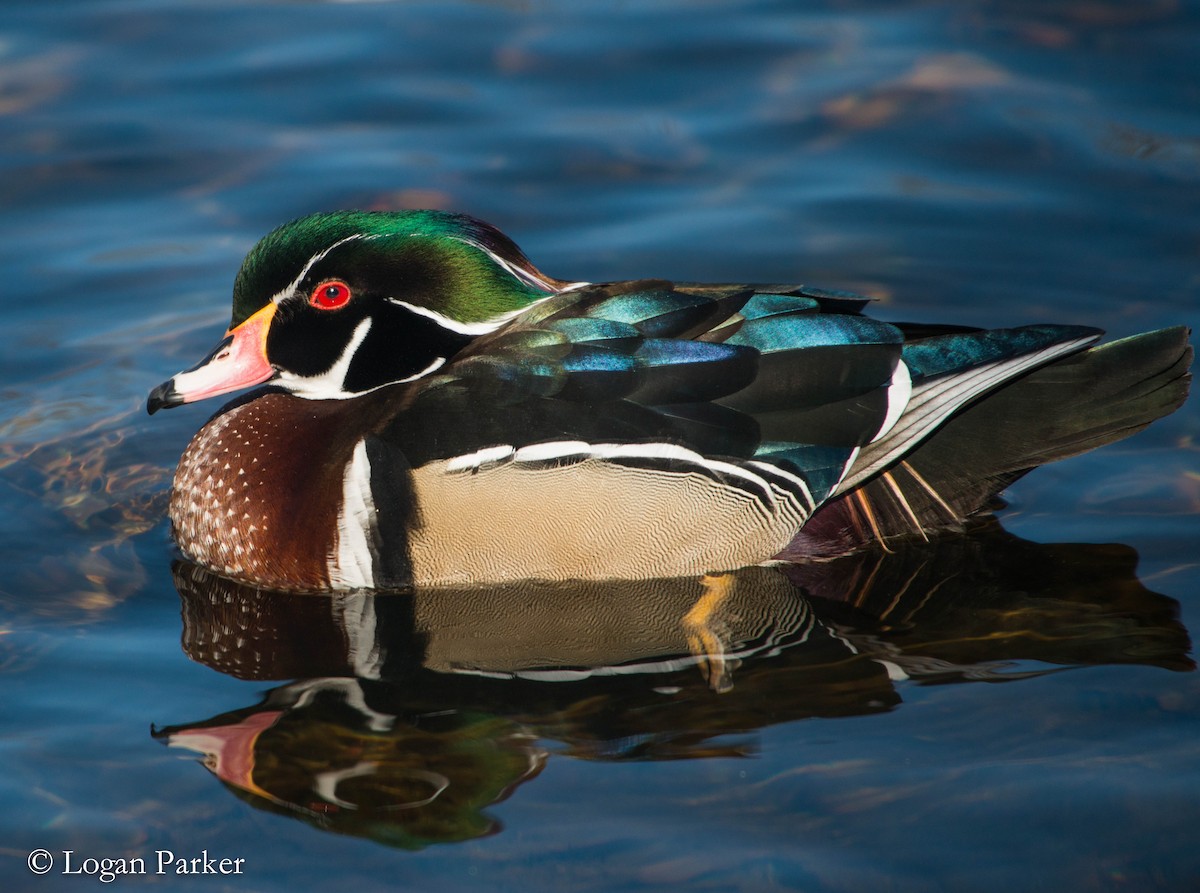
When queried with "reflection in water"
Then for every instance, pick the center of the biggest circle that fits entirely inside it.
(348, 755)
(411, 713)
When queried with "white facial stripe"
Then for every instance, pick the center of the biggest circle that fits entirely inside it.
(352, 566)
(337, 372)
(534, 278)
(330, 384)
(462, 328)
(438, 363)
(529, 277)
(313, 261)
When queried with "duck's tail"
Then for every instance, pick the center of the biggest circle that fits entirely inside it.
(1072, 405)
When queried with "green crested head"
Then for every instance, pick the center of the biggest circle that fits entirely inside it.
(333, 306)
(451, 264)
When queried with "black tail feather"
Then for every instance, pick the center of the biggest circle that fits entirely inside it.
(1073, 405)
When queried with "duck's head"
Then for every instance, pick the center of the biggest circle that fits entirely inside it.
(334, 305)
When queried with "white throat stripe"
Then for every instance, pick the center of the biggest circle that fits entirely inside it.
(330, 384)
(453, 325)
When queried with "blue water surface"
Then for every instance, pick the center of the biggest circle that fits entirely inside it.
(986, 163)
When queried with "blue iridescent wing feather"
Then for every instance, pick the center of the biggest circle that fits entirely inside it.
(791, 380)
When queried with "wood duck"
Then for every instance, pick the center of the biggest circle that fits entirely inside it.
(437, 411)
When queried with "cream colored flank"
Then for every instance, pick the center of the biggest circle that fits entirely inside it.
(591, 519)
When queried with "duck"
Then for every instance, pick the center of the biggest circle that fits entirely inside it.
(428, 409)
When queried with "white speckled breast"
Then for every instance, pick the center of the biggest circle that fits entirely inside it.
(263, 494)
(213, 506)
(251, 497)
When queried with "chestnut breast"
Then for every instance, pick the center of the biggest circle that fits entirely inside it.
(258, 490)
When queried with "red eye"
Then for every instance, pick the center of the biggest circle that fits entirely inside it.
(330, 295)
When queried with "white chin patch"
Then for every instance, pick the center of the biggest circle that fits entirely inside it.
(330, 384)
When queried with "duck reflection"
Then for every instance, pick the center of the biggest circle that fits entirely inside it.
(409, 714)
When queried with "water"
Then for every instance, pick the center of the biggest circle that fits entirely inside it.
(1015, 712)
